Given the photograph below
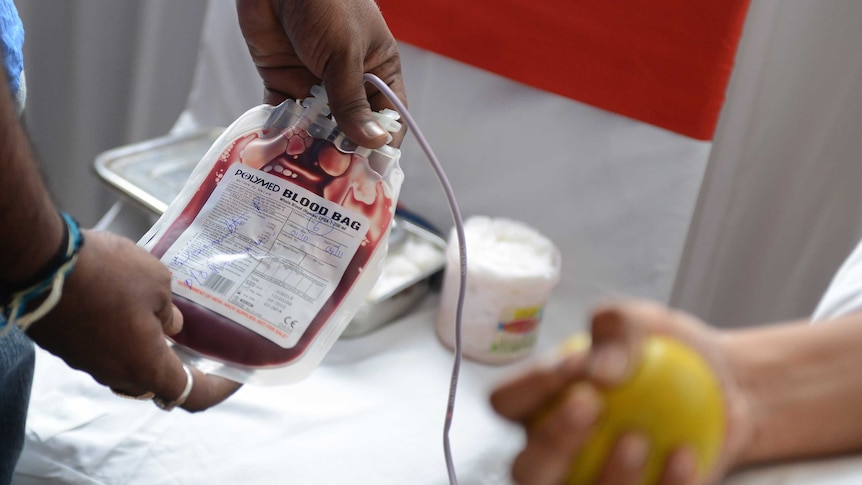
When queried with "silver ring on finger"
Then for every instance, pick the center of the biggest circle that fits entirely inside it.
(166, 405)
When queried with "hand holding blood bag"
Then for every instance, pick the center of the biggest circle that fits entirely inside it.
(275, 241)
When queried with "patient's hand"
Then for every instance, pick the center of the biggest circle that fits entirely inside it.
(618, 331)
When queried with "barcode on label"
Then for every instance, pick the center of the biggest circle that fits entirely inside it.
(218, 283)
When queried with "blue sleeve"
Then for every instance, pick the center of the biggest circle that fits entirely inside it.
(12, 43)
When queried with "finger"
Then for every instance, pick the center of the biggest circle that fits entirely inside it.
(524, 395)
(161, 381)
(551, 444)
(681, 468)
(286, 83)
(174, 321)
(626, 462)
(649, 316)
(208, 391)
(380, 101)
(349, 103)
(170, 380)
(260, 25)
(270, 48)
(616, 345)
(205, 390)
(540, 465)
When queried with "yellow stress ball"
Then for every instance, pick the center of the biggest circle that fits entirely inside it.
(672, 397)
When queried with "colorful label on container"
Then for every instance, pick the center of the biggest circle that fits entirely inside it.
(517, 330)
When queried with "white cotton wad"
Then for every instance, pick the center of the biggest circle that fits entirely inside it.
(511, 271)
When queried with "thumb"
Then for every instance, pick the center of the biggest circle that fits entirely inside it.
(616, 345)
(348, 101)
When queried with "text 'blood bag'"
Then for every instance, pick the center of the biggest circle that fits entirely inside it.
(276, 239)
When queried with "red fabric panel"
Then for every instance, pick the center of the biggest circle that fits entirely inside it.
(665, 62)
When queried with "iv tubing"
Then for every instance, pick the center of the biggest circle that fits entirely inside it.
(462, 252)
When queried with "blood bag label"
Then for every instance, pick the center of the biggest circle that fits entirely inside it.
(265, 253)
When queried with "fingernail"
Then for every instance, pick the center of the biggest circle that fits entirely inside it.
(583, 405)
(372, 130)
(608, 364)
(634, 451)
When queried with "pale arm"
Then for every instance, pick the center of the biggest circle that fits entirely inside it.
(804, 386)
(792, 391)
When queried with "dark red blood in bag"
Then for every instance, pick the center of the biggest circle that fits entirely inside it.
(315, 165)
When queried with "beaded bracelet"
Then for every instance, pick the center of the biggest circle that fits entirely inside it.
(15, 307)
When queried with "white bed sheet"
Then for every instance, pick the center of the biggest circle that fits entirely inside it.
(371, 414)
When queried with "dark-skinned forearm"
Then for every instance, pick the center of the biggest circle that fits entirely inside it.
(30, 225)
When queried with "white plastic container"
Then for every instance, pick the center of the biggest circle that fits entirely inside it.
(512, 270)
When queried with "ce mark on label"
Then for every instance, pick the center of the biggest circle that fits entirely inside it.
(290, 322)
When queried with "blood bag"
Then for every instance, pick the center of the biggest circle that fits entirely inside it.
(276, 239)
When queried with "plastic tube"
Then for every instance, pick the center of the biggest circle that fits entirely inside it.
(462, 252)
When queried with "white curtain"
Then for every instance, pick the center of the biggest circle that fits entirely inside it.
(101, 74)
(780, 206)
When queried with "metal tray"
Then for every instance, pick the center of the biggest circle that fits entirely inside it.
(416, 257)
(152, 173)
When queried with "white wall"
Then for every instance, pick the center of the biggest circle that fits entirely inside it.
(781, 205)
(103, 73)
